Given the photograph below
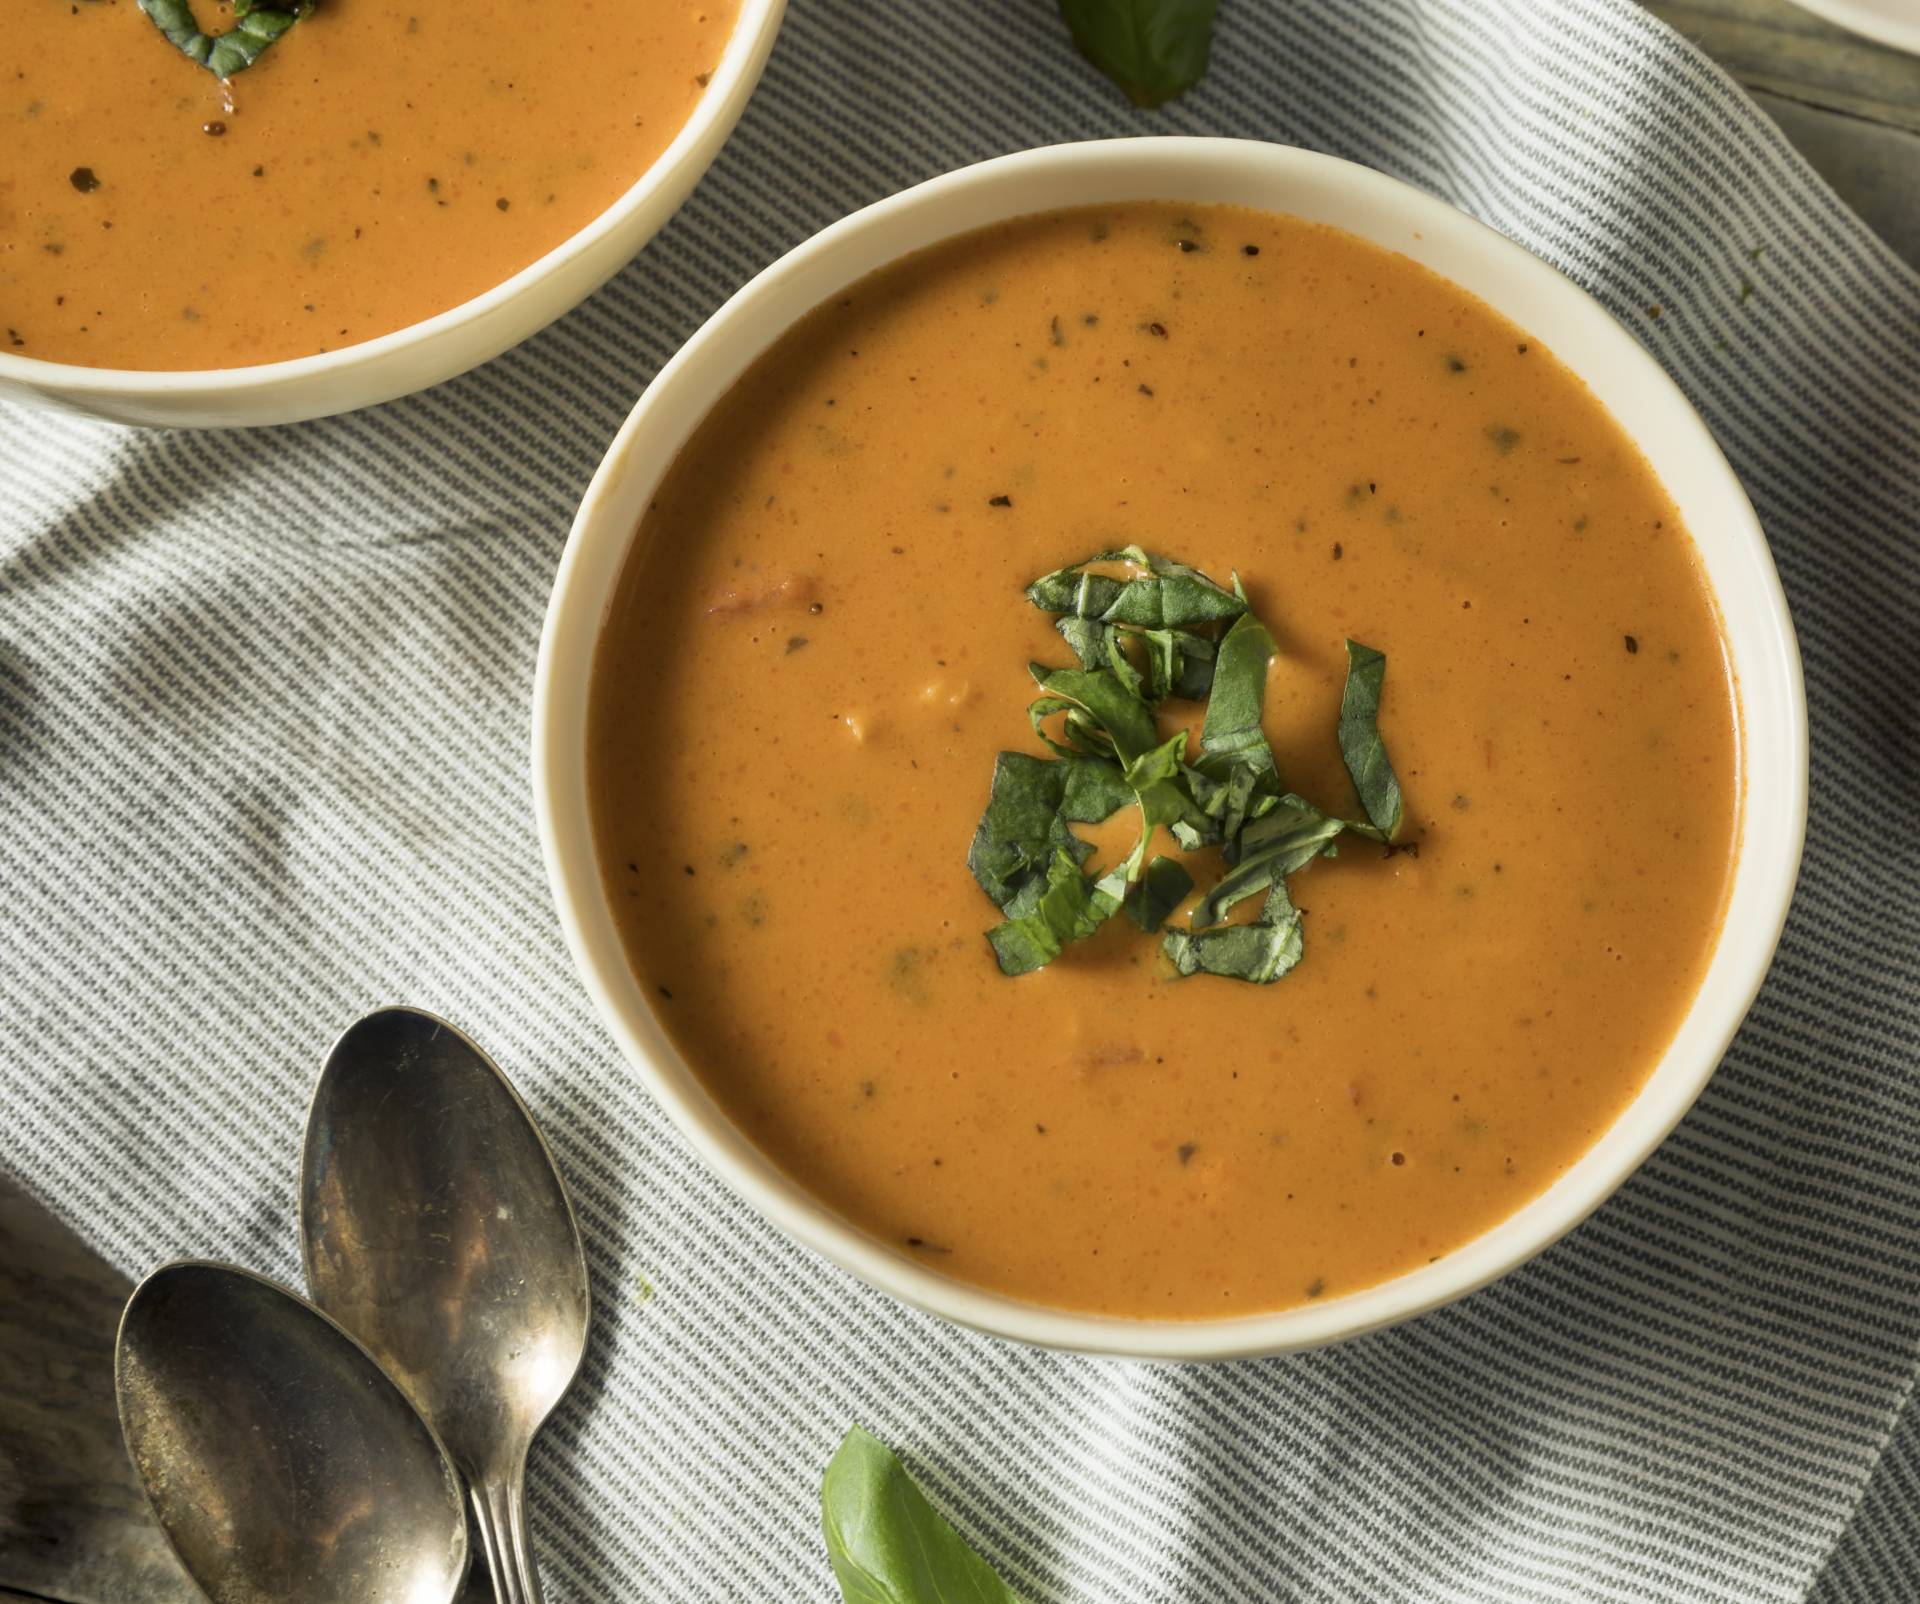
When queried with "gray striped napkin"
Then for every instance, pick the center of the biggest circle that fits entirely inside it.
(263, 734)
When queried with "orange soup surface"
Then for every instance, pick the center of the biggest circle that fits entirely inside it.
(821, 644)
(379, 164)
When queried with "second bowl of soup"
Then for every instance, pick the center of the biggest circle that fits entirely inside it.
(1169, 748)
(380, 201)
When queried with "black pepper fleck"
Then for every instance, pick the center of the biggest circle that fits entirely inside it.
(83, 179)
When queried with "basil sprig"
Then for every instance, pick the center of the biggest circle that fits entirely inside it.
(887, 1543)
(256, 25)
(1163, 632)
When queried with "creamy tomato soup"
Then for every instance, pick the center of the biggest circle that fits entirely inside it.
(379, 164)
(821, 644)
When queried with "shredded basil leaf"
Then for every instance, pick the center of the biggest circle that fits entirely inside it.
(1031, 804)
(1167, 595)
(1361, 747)
(1232, 735)
(1070, 907)
(889, 1545)
(1151, 899)
(1153, 49)
(1279, 843)
(1104, 717)
(1179, 662)
(1260, 952)
(256, 25)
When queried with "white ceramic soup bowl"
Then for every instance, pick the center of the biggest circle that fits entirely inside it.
(448, 343)
(1759, 636)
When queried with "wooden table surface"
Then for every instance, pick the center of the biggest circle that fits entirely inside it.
(73, 1525)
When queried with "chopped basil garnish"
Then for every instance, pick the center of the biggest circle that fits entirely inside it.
(256, 24)
(1165, 632)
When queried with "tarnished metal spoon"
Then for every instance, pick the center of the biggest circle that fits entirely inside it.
(436, 1229)
(281, 1463)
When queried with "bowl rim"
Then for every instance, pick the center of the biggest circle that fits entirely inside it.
(719, 103)
(1763, 660)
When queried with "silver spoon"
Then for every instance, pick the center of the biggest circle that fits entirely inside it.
(436, 1229)
(281, 1463)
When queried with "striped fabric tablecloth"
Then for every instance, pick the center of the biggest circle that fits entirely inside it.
(263, 735)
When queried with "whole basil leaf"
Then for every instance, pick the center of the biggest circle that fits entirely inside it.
(1153, 49)
(888, 1545)
(1361, 747)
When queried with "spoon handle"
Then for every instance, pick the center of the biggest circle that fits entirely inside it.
(500, 1511)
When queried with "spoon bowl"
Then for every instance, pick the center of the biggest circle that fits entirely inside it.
(281, 1463)
(435, 1227)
